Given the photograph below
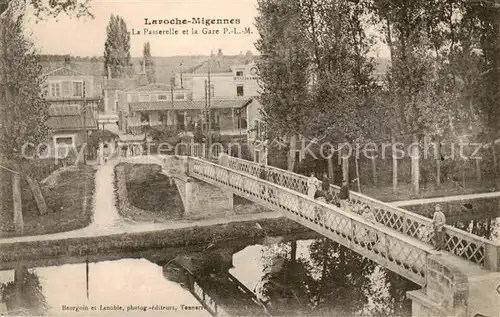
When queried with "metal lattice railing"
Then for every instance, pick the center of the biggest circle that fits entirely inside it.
(383, 245)
(458, 242)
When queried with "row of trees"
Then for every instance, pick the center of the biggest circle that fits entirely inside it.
(317, 57)
(117, 60)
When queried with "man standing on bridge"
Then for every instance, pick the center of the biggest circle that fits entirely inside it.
(438, 221)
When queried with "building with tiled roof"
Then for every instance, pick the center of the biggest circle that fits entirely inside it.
(65, 89)
(183, 103)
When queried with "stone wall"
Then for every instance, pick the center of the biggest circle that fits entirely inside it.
(203, 200)
(218, 236)
(447, 286)
(122, 202)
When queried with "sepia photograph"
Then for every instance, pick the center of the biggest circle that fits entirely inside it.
(250, 158)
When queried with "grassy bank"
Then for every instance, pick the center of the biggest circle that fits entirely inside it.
(69, 202)
(145, 195)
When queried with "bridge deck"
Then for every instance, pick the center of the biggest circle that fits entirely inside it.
(392, 241)
(458, 242)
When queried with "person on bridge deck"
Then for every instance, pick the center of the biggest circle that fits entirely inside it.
(438, 222)
(371, 237)
(344, 195)
(263, 176)
(312, 185)
(368, 214)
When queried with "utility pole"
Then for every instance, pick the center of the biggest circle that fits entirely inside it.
(209, 107)
(204, 112)
(84, 104)
(182, 82)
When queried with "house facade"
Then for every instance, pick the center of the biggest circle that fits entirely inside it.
(65, 90)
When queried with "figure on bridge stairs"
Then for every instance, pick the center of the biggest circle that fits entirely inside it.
(371, 237)
(312, 185)
(438, 221)
(344, 195)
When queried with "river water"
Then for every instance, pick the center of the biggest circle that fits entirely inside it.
(304, 277)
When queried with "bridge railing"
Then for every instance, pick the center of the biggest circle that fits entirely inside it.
(383, 245)
(468, 246)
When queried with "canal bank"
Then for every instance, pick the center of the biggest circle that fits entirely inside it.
(147, 236)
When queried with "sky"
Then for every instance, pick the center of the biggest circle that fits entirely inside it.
(86, 37)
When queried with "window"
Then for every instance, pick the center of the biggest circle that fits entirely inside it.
(154, 97)
(77, 89)
(144, 117)
(239, 90)
(179, 96)
(66, 89)
(135, 98)
(162, 97)
(239, 72)
(116, 106)
(55, 89)
(64, 141)
(144, 98)
(212, 89)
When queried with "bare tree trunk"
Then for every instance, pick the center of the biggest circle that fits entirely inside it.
(463, 172)
(374, 171)
(331, 175)
(345, 169)
(356, 162)
(291, 154)
(415, 166)
(478, 170)
(17, 204)
(495, 162)
(394, 168)
(37, 194)
(18, 285)
(438, 162)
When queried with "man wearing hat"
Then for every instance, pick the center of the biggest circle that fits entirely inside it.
(438, 222)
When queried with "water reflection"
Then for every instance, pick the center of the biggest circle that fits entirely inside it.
(322, 278)
(305, 277)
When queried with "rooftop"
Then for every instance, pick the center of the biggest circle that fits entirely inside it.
(185, 104)
(69, 117)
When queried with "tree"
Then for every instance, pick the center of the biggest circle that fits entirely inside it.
(24, 294)
(117, 49)
(51, 9)
(23, 108)
(149, 64)
(283, 68)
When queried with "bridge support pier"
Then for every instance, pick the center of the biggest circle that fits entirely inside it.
(453, 289)
(202, 200)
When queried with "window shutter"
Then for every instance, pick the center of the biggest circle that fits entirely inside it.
(66, 89)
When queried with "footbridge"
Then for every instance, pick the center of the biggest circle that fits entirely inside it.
(462, 281)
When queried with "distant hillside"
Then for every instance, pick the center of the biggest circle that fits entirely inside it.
(165, 66)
